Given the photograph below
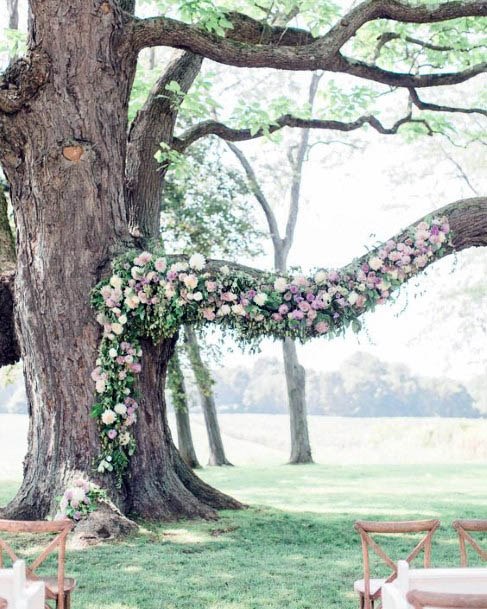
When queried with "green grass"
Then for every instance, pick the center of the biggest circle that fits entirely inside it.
(294, 548)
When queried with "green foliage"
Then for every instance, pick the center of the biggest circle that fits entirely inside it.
(13, 43)
(205, 206)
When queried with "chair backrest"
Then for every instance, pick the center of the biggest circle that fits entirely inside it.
(444, 600)
(368, 528)
(464, 528)
(59, 527)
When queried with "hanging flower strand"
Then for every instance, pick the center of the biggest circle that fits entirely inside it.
(152, 296)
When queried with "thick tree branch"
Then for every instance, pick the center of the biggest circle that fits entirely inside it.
(230, 134)
(21, 81)
(406, 12)
(422, 105)
(153, 125)
(467, 219)
(367, 71)
(253, 44)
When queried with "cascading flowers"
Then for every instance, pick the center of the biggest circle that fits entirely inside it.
(151, 296)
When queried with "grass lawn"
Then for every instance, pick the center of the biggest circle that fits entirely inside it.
(294, 548)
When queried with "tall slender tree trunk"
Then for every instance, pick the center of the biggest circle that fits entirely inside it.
(204, 383)
(295, 385)
(64, 156)
(177, 387)
(13, 14)
(296, 392)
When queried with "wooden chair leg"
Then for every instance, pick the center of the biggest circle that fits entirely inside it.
(67, 600)
(361, 601)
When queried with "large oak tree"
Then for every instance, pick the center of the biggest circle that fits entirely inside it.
(85, 188)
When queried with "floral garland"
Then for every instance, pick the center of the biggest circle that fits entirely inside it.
(79, 500)
(151, 296)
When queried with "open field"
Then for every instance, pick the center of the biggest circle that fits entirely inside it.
(295, 546)
(253, 439)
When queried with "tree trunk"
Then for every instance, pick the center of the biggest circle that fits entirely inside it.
(64, 157)
(13, 14)
(296, 385)
(175, 383)
(204, 383)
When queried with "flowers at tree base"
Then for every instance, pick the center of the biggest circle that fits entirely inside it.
(150, 295)
(79, 500)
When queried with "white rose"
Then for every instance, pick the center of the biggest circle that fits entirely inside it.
(238, 309)
(260, 299)
(375, 263)
(352, 298)
(280, 284)
(120, 409)
(224, 310)
(108, 417)
(77, 494)
(117, 328)
(112, 352)
(116, 282)
(224, 270)
(197, 262)
(132, 301)
(136, 272)
(100, 386)
(122, 319)
(124, 438)
(160, 265)
(197, 296)
(321, 277)
(190, 281)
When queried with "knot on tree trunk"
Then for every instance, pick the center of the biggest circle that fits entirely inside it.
(9, 348)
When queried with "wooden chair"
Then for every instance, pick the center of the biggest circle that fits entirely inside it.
(444, 600)
(464, 528)
(369, 589)
(58, 588)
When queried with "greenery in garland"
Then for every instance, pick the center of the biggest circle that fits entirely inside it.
(150, 295)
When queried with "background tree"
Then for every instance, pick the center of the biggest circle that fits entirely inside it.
(83, 191)
(294, 371)
(204, 210)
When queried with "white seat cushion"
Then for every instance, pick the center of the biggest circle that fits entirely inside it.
(375, 585)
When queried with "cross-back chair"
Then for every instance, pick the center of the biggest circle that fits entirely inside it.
(464, 528)
(369, 589)
(443, 600)
(58, 588)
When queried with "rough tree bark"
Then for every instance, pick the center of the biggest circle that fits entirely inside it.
(176, 385)
(204, 383)
(64, 156)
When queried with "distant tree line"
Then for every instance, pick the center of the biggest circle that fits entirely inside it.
(364, 386)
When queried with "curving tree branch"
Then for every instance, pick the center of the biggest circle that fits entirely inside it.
(422, 105)
(154, 124)
(251, 43)
(230, 134)
(353, 67)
